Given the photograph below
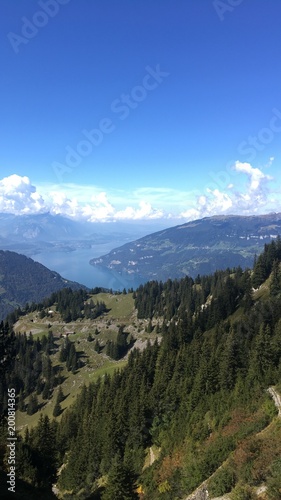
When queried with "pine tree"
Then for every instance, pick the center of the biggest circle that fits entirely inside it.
(149, 327)
(32, 406)
(120, 485)
(46, 391)
(42, 440)
(229, 361)
(60, 395)
(21, 406)
(57, 409)
(275, 284)
(260, 271)
(71, 361)
(274, 482)
(97, 347)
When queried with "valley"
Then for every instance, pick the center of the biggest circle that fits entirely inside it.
(140, 250)
(153, 392)
(84, 334)
(198, 247)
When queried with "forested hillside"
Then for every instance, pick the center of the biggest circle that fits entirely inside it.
(191, 406)
(23, 280)
(199, 246)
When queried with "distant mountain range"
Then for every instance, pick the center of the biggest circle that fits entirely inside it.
(198, 247)
(22, 280)
(33, 234)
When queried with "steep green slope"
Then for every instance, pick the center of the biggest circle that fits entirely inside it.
(22, 280)
(197, 247)
(194, 407)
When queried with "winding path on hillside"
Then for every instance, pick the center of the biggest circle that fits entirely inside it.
(276, 398)
(201, 493)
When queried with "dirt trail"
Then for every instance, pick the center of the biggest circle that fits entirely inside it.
(201, 493)
(152, 456)
(276, 398)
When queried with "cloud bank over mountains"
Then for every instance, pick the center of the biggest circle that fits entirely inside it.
(242, 189)
(255, 197)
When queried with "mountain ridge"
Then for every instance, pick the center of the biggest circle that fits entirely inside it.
(23, 280)
(191, 407)
(31, 234)
(198, 247)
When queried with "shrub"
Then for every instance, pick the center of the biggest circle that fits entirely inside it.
(243, 492)
(222, 482)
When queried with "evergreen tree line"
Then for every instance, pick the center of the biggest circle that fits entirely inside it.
(180, 396)
(263, 265)
(225, 290)
(68, 355)
(162, 398)
(71, 304)
(26, 367)
(117, 350)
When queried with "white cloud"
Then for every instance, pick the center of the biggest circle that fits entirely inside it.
(93, 203)
(18, 196)
(255, 175)
(253, 199)
(215, 202)
(145, 211)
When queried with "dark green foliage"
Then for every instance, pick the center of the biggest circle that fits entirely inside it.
(57, 409)
(222, 482)
(21, 404)
(24, 280)
(93, 310)
(97, 346)
(224, 290)
(46, 391)
(274, 481)
(163, 395)
(60, 395)
(275, 283)
(42, 314)
(196, 395)
(149, 327)
(73, 305)
(68, 355)
(26, 366)
(32, 405)
(119, 483)
(116, 350)
(71, 360)
(243, 492)
(266, 261)
(42, 442)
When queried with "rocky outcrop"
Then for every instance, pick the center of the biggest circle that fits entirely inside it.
(200, 494)
(276, 398)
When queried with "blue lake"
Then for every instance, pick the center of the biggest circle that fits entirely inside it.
(75, 266)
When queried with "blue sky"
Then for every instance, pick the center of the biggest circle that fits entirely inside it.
(135, 110)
